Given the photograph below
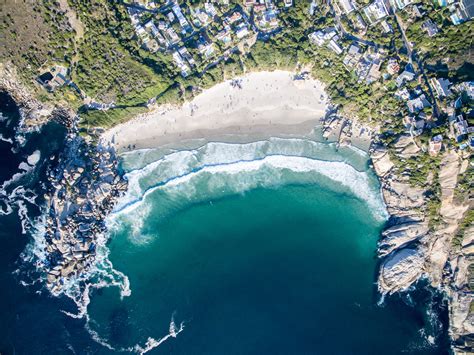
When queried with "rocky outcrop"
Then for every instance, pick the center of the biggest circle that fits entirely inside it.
(399, 235)
(400, 270)
(83, 189)
(409, 247)
(34, 112)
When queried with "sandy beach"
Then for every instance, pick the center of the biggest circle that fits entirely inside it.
(266, 104)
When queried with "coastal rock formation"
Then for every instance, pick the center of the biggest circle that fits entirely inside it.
(399, 235)
(400, 270)
(457, 287)
(84, 187)
(381, 161)
(409, 246)
(34, 112)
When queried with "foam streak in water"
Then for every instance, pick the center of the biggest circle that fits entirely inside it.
(339, 172)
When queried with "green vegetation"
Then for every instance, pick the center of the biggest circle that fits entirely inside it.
(34, 34)
(112, 66)
(465, 185)
(108, 63)
(467, 221)
(449, 41)
(94, 118)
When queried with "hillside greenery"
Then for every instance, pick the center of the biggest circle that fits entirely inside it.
(108, 64)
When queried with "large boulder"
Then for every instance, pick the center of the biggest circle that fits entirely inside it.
(381, 161)
(399, 235)
(400, 270)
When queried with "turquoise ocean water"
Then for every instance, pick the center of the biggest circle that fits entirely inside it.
(260, 248)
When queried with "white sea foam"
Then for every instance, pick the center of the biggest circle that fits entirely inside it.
(34, 158)
(2, 138)
(256, 164)
(221, 168)
(152, 343)
(240, 176)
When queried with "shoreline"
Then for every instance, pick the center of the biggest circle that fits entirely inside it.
(259, 106)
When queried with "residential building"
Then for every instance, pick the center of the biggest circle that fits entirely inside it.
(392, 66)
(462, 11)
(54, 78)
(317, 38)
(171, 35)
(461, 128)
(346, 6)
(207, 51)
(418, 104)
(322, 36)
(332, 44)
(187, 56)
(417, 11)
(236, 16)
(387, 28)
(224, 35)
(406, 76)
(152, 45)
(360, 23)
(249, 3)
(441, 86)
(374, 71)
(415, 124)
(201, 18)
(182, 20)
(400, 4)
(266, 17)
(467, 8)
(403, 94)
(470, 89)
(376, 11)
(241, 31)
(435, 145)
(210, 9)
(445, 2)
(179, 61)
(312, 7)
(352, 57)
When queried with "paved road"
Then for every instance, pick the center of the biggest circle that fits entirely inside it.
(413, 57)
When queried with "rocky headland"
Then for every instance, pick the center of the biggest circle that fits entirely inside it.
(83, 189)
(411, 247)
(83, 184)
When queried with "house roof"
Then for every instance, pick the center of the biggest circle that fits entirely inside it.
(468, 7)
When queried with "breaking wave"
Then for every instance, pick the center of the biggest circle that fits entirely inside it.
(219, 169)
